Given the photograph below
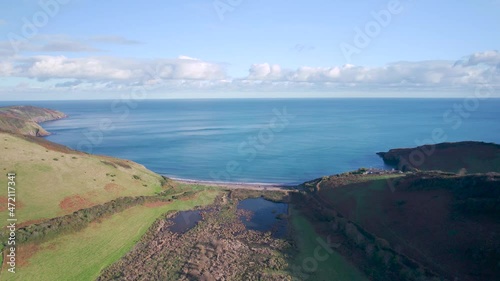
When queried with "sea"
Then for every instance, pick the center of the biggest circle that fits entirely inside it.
(274, 141)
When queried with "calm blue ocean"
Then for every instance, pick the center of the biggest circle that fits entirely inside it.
(265, 140)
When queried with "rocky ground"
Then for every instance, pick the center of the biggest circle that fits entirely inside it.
(217, 248)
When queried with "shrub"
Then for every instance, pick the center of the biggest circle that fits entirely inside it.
(78, 219)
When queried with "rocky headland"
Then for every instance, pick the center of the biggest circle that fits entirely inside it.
(25, 119)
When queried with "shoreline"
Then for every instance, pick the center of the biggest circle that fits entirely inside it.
(237, 185)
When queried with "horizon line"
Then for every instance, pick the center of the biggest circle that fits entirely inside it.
(250, 98)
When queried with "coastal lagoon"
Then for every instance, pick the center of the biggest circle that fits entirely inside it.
(283, 141)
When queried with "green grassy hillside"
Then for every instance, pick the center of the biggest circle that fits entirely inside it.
(335, 267)
(53, 180)
(82, 255)
(117, 201)
(446, 222)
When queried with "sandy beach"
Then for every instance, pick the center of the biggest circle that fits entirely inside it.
(229, 185)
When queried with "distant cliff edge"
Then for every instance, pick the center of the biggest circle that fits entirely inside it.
(24, 119)
(467, 156)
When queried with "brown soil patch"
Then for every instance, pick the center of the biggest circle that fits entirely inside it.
(74, 203)
(25, 252)
(4, 204)
(94, 224)
(114, 188)
(97, 222)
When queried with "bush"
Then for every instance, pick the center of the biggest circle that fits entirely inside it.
(77, 220)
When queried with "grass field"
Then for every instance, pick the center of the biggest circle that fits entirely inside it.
(82, 255)
(335, 267)
(55, 182)
(357, 196)
(423, 222)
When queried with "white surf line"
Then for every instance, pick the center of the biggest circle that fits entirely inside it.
(237, 185)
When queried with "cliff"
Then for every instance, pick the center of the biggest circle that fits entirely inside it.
(24, 119)
(468, 156)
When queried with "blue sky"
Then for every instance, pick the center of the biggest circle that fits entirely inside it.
(74, 49)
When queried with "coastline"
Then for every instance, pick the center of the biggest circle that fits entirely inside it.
(237, 185)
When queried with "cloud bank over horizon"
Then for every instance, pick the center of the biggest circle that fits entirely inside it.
(65, 65)
(98, 49)
(107, 73)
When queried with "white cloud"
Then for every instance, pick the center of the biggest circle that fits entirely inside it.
(186, 58)
(476, 69)
(488, 58)
(184, 72)
(113, 69)
(6, 69)
(265, 71)
(197, 70)
(49, 67)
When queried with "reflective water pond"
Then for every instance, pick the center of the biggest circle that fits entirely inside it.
(266, 216)
(185, 220)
